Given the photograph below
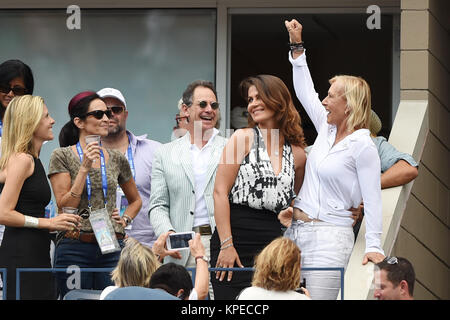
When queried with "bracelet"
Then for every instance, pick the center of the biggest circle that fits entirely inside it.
(31, 222)
(227, 246)
(296, 45)
(224, 241)
(127, 219)
(75, 195)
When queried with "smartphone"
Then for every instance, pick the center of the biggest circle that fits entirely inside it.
(179, 241)
(302, 286)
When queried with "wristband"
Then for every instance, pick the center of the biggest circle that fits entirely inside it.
(296, 45)
(31, 222)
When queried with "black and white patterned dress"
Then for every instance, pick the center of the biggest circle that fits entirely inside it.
(256, 184)
(256, 198)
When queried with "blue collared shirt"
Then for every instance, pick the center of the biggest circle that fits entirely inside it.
(143, 150)
(389, 155)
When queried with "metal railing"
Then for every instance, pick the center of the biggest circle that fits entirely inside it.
(4, 273)
(54, 270)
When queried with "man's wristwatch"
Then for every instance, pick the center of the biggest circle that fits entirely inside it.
(204, 258)
(127, 219)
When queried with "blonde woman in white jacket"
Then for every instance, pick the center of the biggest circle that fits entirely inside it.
(342, 170)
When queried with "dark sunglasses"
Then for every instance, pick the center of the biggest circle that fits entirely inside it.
(203, 104)
(116, 109)
(18, 91)
(98, 114)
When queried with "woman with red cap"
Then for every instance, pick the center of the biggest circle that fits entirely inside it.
(79, 180)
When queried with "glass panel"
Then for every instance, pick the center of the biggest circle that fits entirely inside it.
(150, 55)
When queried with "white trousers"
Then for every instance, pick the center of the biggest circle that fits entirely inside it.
(322, 245)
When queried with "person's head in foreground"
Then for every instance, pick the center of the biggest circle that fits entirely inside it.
(174, 279)
(394, 279)
(136, 265)
(277, 267)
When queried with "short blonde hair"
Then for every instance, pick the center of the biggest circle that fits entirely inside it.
(21, 119)
(356, 91)
(277, 266)
(136, 265)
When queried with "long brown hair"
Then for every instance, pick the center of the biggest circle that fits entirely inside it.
(276, 96)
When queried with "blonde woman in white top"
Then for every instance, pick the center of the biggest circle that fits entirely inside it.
(342, 170)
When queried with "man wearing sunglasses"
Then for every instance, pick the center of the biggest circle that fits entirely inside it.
(184, 172)
(139, 151)
(394, 279)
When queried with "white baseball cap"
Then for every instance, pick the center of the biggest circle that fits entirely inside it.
(112, 93)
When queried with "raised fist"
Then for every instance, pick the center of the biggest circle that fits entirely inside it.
(295, 30)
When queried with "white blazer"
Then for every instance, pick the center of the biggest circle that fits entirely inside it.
(172, 200)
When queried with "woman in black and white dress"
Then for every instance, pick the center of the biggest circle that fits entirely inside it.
(260, 173)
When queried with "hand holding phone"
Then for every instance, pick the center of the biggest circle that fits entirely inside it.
(179, 240)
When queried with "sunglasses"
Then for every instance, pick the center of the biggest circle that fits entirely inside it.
(203, 104)
(18, 91)
(116, 109)
(84, 214)
(391, 260)
(178, 118)
(98, 114)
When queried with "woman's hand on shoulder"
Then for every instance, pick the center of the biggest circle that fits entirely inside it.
(374, 257)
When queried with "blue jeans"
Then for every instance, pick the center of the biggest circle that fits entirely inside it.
(77, 254)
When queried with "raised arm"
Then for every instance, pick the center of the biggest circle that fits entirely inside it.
(303, 84)
(68, 194)
(201, 270)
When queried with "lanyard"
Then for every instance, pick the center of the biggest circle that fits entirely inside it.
(129, 156)
(88, 179)
(1, 128)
